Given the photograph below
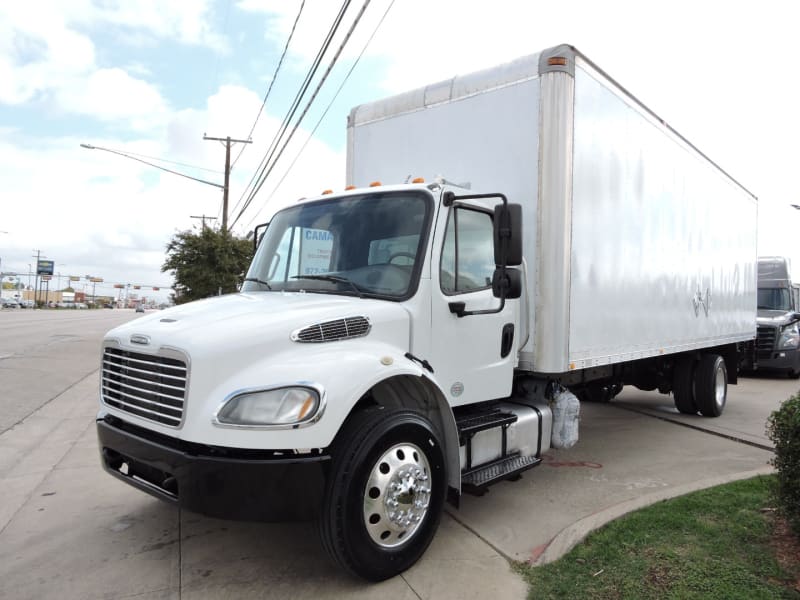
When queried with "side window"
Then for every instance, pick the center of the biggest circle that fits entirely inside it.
(468, 254)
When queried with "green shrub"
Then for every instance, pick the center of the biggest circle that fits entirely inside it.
(783, 428)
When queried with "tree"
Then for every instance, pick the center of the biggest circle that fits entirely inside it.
(204, 263)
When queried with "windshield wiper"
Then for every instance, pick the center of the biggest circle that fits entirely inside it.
(261, 281)
(333, 278)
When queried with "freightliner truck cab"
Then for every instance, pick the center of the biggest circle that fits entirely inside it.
(778, 341)
(355, 379)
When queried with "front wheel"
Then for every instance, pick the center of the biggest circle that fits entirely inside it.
(385, 492)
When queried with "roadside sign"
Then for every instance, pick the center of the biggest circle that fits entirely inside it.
(46, 277)
(119, 286)
(45, 267)
(96, 279)
(155, 289)
(74, 278)
(137, 287)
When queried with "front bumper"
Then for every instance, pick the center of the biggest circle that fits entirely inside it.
(219, 482)
(783, 360)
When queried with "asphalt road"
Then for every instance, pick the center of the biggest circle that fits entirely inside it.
(44, 352)
(68, 530)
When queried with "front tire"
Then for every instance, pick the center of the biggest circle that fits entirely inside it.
(711, 385)
(385, 492)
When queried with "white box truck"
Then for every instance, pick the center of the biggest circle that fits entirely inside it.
(396, 345)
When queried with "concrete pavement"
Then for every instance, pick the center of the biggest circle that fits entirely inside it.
(68, 530)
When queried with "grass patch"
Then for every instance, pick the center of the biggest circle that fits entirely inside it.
(715, 543)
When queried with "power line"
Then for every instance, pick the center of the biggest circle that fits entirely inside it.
(330, 104)
(266, 172)
(272, 81)
(174, 162)
(126, 155)
(294, 106)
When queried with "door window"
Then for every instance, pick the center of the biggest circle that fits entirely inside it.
(468, 254)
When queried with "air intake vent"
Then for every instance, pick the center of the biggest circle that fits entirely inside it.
(148, 386)
(333, 331)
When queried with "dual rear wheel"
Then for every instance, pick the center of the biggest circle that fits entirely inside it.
(700, 385)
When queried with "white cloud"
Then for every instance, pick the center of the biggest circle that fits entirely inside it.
(113, 95)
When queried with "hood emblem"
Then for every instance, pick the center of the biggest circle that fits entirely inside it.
(142, 340)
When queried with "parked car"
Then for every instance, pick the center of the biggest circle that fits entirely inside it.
(139, 308)
(9, 303)
(27, 304)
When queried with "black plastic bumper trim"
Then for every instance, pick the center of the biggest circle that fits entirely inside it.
(219, 482)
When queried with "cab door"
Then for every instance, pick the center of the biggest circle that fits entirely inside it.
(473, 356)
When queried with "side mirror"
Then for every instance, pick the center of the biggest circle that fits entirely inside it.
(507, 283)
(508, 234)
(258, 233)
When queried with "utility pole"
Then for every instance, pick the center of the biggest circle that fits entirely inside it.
(228, 141)
(36, 288)
(203, 217)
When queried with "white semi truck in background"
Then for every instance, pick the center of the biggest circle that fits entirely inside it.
(397, 344)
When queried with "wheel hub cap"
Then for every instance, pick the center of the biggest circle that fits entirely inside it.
(397, 495)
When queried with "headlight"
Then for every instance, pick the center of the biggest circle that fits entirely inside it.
(790, 338)
(278, 407)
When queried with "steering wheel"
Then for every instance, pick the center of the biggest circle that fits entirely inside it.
(401, 255)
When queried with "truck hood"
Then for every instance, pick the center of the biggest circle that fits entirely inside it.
(257, 321)
(774, 318)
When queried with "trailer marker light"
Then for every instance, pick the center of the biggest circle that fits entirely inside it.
(571, 366)
(418, 180)
(375, 184)
(557, 61)
(326, 192)
(350, 187)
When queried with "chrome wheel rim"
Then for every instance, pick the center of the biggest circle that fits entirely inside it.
(719, 388)
(397, 495)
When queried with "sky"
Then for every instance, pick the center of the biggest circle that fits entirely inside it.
(150, 77)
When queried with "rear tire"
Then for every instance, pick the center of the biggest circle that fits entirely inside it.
(683, 386)
(711, 385)
(384, 494)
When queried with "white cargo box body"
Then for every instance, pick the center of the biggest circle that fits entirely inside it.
(636, 243)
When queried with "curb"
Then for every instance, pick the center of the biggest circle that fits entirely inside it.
(572, 535)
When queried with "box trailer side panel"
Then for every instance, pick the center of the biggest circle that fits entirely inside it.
(663, 241)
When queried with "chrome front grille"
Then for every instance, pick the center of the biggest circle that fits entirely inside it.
(148, 386)
(765, 341)
(332, 331)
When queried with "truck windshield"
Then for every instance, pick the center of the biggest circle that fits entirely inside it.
(774, 299)
(371, 245)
